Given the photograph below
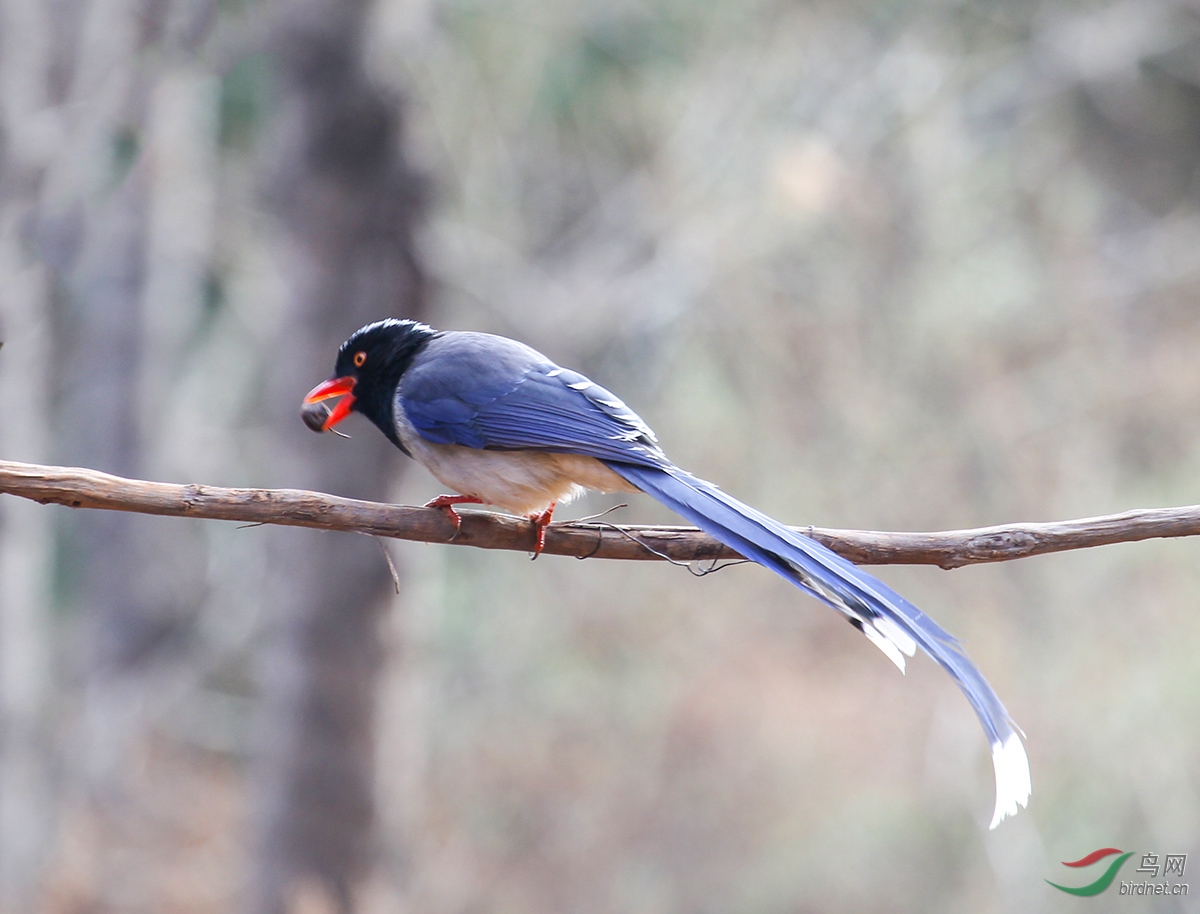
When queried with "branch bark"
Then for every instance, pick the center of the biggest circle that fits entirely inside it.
(83, 488)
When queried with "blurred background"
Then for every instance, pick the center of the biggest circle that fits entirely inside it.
(875, 265)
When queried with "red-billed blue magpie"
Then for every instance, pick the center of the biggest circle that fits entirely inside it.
(501, 424)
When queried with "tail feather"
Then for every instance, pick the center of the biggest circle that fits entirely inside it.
(891, 622)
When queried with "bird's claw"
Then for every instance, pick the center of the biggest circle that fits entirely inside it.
(540, 523)
(446, 504)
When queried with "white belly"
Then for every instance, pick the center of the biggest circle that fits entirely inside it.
(520, 482)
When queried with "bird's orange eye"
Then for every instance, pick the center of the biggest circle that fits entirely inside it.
(359, 359)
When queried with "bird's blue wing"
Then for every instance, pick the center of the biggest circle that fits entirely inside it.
(484, 391)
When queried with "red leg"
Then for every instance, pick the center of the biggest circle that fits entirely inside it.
(540, 523)
(446, 503)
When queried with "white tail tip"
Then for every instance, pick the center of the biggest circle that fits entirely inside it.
(1012, 778)
(881, 641)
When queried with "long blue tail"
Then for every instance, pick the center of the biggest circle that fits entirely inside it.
(892, 623)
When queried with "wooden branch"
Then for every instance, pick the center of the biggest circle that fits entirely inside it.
(82, 488)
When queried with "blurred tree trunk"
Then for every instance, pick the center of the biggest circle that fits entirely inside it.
(348, 201)
(26, 788)
(85, 216)
(90, 226)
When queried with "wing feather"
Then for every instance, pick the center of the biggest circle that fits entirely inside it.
(487, 392)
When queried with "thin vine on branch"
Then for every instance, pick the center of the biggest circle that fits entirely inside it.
(83, 488)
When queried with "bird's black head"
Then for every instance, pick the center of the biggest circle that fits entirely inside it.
(368, 369)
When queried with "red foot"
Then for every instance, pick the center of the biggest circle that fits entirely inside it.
(445, 502)
(540, 523)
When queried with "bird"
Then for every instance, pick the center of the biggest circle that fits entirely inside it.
(503, 425)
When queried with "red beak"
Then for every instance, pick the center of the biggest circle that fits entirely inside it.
(334, 387)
